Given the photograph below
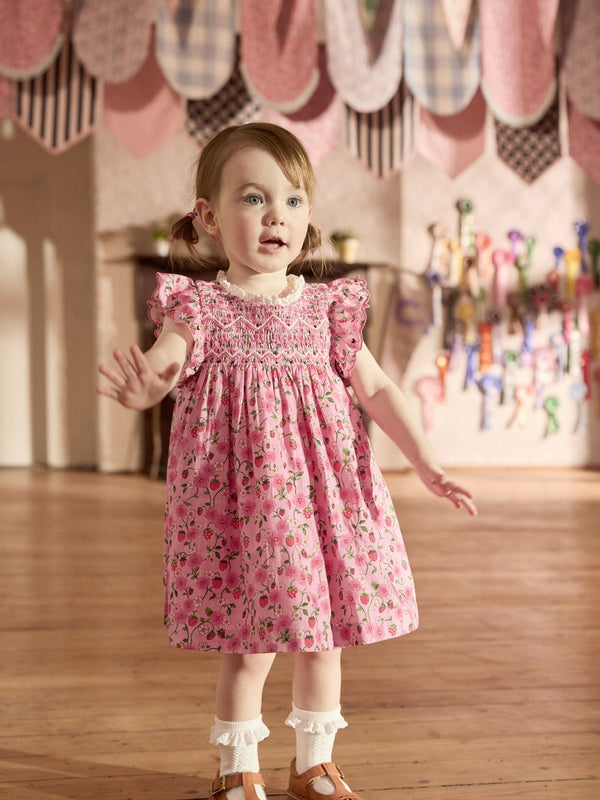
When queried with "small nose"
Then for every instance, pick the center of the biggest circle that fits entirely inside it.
(276, 217)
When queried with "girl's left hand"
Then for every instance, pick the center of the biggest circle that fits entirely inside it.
(440, 485)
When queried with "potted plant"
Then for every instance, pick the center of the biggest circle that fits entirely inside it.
(346, 245)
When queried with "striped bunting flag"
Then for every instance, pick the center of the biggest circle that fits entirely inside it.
(59, 107)
(382, 140)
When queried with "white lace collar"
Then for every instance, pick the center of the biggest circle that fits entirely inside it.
(293, 290)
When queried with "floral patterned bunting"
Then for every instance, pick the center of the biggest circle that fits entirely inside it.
(517, 56)
(30, 36)
(365, 69)
(112, 37)
(279, 38)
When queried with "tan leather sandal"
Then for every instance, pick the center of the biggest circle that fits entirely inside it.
(301, 786)
(246, 779)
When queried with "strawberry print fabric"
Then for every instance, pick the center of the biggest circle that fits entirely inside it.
(280, 533)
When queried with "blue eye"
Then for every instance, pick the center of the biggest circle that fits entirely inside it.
(294, 202)
(252, 200)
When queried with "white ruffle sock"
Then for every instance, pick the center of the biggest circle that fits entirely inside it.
(315, 735)
(238, 748)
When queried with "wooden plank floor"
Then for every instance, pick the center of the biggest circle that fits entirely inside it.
(496, 696)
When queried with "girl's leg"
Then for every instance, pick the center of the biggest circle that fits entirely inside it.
(316, 715)
(238, 725)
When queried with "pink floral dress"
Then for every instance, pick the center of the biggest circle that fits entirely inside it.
(280, 533)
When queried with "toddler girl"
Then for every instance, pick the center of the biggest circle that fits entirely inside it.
(280, 533)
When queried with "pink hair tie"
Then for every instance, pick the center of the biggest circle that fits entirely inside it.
(192, 214)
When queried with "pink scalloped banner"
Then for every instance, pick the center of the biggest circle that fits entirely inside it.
(584, 141)
(112, 37)
(30, 36)
(517, 58)
(457, 13)
(279, 38)
(453, 142)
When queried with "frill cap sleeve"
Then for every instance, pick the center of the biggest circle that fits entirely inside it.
(349, 300)
(179, 298)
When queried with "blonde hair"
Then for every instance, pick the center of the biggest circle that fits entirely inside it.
(283, 146)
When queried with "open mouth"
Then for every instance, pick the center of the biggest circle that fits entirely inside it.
(274, 242)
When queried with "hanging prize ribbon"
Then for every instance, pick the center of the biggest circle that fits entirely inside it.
(510, 376)
(490, 386)
(551, 409)
(429, 390)
(578, 392)
(524, 403)
(442, 362)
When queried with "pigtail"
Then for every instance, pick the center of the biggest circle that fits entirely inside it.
(184, 231)
(309, 256)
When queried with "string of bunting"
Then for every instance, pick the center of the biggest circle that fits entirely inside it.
(445, 55)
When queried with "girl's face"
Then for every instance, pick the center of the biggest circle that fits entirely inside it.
(258, 216)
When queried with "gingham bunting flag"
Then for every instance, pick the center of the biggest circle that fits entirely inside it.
(279, 38)
(112, 37)
(30, 36)
(517, 58)
(317, 123)
(196, 47)
(581, 54)
(366, 69)
(144, 112)
(453, 142)
(232, 105)
(382, 140)
(584, 141)
(59, 107)
(531, 149)
(443, 79)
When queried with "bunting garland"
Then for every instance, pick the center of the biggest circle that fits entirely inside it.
(382, 63)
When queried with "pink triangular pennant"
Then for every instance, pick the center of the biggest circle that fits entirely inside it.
(279, 52)
(584, 141)
(317, 123)
(455, 141)
(145, 112)
(112, 37)
(30, 36)
(517, 58)
(457, 14)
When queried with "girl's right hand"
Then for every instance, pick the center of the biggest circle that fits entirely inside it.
(137, 385)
